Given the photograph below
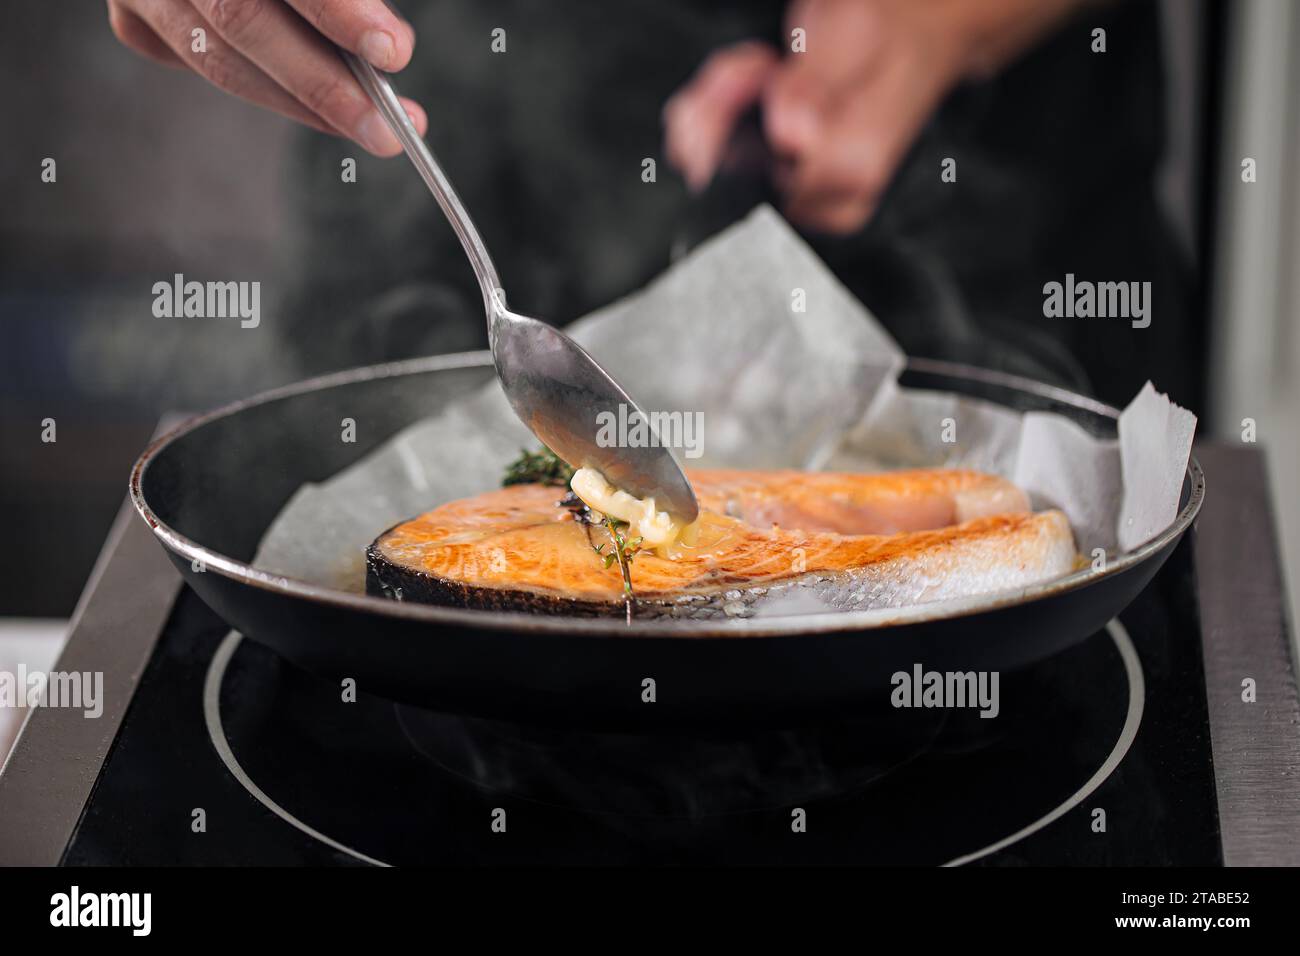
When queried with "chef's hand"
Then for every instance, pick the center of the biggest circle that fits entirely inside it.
(279, 54)
(841, 116)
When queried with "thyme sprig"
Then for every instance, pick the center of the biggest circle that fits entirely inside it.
(543, 467)
(622, 550)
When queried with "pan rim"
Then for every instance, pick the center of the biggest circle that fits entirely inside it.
(556, 625)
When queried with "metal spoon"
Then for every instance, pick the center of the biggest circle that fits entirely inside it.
(554, 386)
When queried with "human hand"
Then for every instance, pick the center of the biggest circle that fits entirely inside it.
(841, 116)
(280, 55)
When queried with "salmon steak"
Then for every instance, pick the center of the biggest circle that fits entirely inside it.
(765, 542)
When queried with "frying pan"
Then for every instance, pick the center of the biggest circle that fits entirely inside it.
(210, 489)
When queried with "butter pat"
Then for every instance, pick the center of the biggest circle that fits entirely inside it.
(656, 529)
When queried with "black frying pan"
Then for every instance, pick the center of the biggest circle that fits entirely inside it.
(211, 488)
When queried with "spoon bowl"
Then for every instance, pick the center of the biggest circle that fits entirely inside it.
(563, 395)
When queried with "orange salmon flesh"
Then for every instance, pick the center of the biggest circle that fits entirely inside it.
(863, 540)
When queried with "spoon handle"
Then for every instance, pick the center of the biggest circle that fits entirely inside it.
(385, 99)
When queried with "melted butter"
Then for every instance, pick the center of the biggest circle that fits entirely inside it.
(658, 530)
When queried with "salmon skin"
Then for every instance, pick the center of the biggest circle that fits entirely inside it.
(771, 542)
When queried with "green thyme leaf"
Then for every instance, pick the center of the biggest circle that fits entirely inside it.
(542, 467)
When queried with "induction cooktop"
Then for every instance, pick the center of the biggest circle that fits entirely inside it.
(1129, 748)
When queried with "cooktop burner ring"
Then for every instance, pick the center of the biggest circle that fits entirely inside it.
(216, 733)
(1127, 734)
(219, 665)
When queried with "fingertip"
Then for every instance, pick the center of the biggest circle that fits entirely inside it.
(404, 48)
(419, 119)
(410, 35)
(388, 43)
(384, 50)
(672, 106)
(383, 152)
(373, 134)
(687, 143)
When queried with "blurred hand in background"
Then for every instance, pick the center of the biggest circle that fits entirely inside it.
(279, 54)
(841, 115)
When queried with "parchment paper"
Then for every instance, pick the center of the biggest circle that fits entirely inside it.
(789, 370)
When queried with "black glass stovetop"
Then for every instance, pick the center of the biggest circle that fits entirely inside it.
(1100, 755)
